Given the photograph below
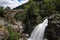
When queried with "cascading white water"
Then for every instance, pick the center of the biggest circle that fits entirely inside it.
(38, 32)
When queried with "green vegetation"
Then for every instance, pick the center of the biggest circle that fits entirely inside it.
(20, 17)
(34, 13)
(37, 11)
(2, 12)
(13, 35)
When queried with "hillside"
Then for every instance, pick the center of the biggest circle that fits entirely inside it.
(18, 23)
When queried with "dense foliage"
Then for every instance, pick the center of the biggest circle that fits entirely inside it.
(35, 11)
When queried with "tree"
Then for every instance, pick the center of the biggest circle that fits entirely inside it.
(2, 12)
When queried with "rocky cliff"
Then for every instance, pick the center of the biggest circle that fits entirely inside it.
(53, 29)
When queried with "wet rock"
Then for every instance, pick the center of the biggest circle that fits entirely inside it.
(53, 29)
(24, 37)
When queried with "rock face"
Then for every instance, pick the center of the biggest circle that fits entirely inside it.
(17, 27)
(53, 29)
(3, 33)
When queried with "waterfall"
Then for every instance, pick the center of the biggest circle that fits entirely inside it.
(38, 32)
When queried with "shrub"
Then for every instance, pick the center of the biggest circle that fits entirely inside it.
(13, 35)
